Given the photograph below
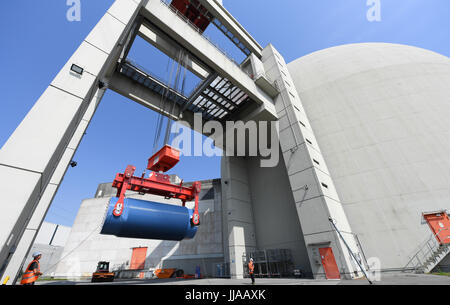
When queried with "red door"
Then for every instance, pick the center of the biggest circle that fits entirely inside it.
(439, 224)
(138, 258)
(329, 263)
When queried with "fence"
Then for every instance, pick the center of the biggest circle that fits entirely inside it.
(270, 263)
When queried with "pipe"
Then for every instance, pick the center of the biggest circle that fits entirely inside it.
(350, 250)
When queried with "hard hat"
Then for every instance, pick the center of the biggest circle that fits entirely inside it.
(36, 254)
(251, 259)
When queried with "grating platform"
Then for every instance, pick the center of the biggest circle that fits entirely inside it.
(216, 97)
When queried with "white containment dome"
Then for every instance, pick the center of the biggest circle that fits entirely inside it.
(381, 116)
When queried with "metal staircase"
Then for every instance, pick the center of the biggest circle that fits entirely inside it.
(436, 258)
(431, 252)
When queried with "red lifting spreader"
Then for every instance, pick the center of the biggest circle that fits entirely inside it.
(157, 184)
(166, 158)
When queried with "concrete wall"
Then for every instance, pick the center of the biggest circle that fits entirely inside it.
(50, 241)
(50, 258)
(276, 221)
(52, 234)
(105, 190)
(86, 247)
(380, 115)
(237, 212)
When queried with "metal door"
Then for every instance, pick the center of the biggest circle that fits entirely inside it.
(329, 263)
(138, 258)
(439, 224)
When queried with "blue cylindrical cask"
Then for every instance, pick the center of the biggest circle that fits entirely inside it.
(149, 220)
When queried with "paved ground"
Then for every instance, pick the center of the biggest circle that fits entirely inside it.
(386, 279)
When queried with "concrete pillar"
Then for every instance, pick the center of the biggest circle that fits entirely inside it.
(312, 186)
(237, 214)
(17, 262)
(37, 154)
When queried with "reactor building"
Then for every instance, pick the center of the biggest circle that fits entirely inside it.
(379, 114)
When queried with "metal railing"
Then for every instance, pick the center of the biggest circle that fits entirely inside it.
(168, 4)
(426, 250)
(134, 64)
(269, 262)
(231, 36)
(131, 63)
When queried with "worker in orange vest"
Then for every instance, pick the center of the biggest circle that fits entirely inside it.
(33, 270)
(251, 268)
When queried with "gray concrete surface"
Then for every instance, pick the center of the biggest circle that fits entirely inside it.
(386, 279)
(379, 113)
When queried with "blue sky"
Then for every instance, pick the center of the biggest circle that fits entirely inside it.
(37, 40)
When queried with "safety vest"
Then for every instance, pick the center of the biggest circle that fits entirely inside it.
(251, 267)
(29, 276)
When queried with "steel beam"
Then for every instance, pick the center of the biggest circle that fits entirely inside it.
(171, 48)
(198, 91)
(233, 26)
(148, 98)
